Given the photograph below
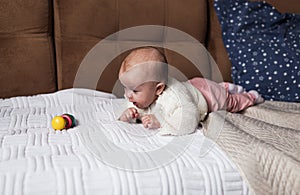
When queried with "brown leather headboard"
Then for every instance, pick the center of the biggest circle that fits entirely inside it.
(77, 31)
(43, 43)
(27, 58)
(88, 23)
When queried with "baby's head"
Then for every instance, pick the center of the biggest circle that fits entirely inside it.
(144, 74)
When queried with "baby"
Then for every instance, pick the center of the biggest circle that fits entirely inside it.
(173, 107)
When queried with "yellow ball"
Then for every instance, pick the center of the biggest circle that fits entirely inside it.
(58, 123)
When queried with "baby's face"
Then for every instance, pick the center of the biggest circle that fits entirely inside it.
(143, 95)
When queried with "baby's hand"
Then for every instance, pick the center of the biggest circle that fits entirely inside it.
(150, 121)
(129, 114)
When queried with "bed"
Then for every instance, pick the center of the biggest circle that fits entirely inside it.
(49, 69)
(35, 159)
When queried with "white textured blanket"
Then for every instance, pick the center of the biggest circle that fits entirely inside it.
(264, 142)
(101, 155)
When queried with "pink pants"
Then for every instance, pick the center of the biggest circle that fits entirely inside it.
(218, 97)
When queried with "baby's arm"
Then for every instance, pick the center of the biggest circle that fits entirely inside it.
(129, 114)
(182, 120)
(150, 121)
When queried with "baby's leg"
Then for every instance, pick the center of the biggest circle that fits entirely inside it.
(214, 94)
(240, 101)
(257, 96)
(232, 88)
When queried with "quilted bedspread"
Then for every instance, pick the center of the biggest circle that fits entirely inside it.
(264, 142)
(104, 156)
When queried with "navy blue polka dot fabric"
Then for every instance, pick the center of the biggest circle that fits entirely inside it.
(263, 46)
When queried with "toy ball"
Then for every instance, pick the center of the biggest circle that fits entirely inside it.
(64, 121)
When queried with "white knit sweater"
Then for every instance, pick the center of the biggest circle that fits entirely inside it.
(179, 109)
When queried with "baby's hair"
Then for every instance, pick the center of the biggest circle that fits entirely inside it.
(144, 54)
(161, 56)
(157, 55)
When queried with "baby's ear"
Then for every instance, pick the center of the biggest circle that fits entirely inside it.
(160, 87)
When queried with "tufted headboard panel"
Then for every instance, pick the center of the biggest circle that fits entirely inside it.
(27, 57)
(81, 25)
